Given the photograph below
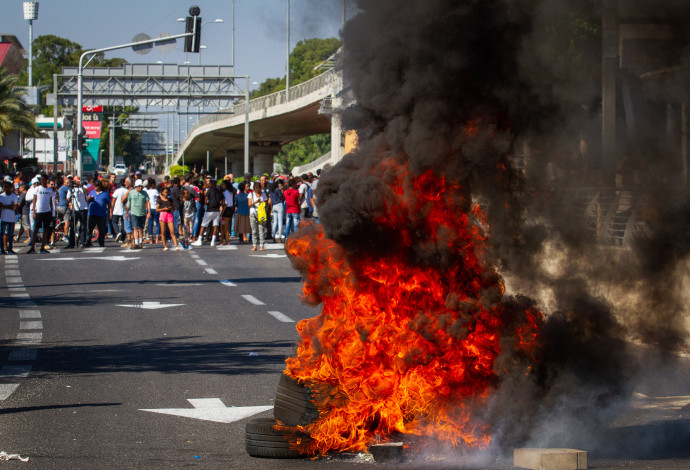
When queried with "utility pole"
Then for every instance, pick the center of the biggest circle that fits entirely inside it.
(287, 67)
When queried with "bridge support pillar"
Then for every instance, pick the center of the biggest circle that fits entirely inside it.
(337, 140)
(263, 163)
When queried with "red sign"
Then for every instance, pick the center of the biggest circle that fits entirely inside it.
(92, 109)
(93, 129)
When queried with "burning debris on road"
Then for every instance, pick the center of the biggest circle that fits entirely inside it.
(464, 300)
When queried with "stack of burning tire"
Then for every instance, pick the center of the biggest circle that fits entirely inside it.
(293, 407)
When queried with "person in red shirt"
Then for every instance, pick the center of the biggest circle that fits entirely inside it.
(292, 203)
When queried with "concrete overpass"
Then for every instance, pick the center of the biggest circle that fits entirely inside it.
(273, 122)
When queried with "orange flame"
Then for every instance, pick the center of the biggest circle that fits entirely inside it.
(401, 346)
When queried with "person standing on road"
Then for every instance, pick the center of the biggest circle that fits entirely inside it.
(8, 205)
(228, 212)
(99, 207)
(242, 225)
(118, 210)
(292, 206)
(305, 195)
(214, 205)
(277, 209)
(30, 201)
(189, 213)
(175, 194)
(257, 215)
(42, 213)
(154, 226)
(140, 208)
(24, 210)
(165, 208)
(63, 211)
(78, 207)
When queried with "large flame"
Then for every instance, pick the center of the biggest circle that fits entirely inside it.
(403, 346)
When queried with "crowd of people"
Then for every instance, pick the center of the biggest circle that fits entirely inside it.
(180, 212)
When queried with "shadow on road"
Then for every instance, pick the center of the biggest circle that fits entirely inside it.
(166, 355)
(26, 409)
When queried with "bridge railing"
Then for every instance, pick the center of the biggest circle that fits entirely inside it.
(274, 99)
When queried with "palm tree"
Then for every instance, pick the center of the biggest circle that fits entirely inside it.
(15, 115)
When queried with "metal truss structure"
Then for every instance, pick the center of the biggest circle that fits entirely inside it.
(137, 122)
(152, 85)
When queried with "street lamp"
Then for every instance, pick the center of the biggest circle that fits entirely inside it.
(202, 47)
(31, 14)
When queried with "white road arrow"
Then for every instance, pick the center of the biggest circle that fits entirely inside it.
(149, 305)
(108, 258)
(212, 409)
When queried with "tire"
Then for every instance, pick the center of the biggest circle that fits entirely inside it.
(261, 440)
(293, 406)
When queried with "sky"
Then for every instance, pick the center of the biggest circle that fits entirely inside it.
(260, 28)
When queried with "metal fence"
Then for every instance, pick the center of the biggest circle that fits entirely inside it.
(274, 99)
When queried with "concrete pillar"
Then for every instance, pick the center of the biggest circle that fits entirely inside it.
(609, 72)
(337, 138)
(237, 167)
(263, 163)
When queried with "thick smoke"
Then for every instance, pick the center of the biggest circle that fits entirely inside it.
(467, 89)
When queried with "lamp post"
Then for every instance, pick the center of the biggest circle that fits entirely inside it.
(232, 57)
(31, 14)
(287, 64)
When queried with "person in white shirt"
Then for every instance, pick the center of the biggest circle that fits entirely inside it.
(8, 204)
(119, 210)
(42, 213)
(30, 200)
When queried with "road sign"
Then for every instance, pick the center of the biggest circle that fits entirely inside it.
(212, 409)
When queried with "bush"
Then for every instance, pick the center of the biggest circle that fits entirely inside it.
(177, 170)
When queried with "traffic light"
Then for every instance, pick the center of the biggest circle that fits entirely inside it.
(82, 141)
(193, 25)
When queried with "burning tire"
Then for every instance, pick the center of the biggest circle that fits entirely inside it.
(261, 440)
(292, 405)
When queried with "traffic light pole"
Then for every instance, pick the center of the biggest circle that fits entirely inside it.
(80, 94)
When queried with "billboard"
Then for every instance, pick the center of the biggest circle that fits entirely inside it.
(91, 121)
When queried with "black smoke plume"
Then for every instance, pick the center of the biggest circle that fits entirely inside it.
(503, 98)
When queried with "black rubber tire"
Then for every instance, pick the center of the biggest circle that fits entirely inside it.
(263, 443)
(261, 440)
(293, 406)
(263, 437)
(272, 453)
(261, 426)
(288, 382)
(297, 404)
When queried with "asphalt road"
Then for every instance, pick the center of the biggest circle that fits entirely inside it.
(87, 344)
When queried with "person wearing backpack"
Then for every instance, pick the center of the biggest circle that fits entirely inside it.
(257, 215)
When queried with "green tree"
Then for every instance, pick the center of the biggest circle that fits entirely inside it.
(306, 55)
(304, 150)
(127, 143)
(51, 53)
(15, 116)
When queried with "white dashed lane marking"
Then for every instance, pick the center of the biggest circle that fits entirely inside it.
(29, 338)
(253, 300)
(281, 317)
(31, 325)
(201, 262)
(6, 390)
(210, 271)
(26, 314)
(225, 282)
